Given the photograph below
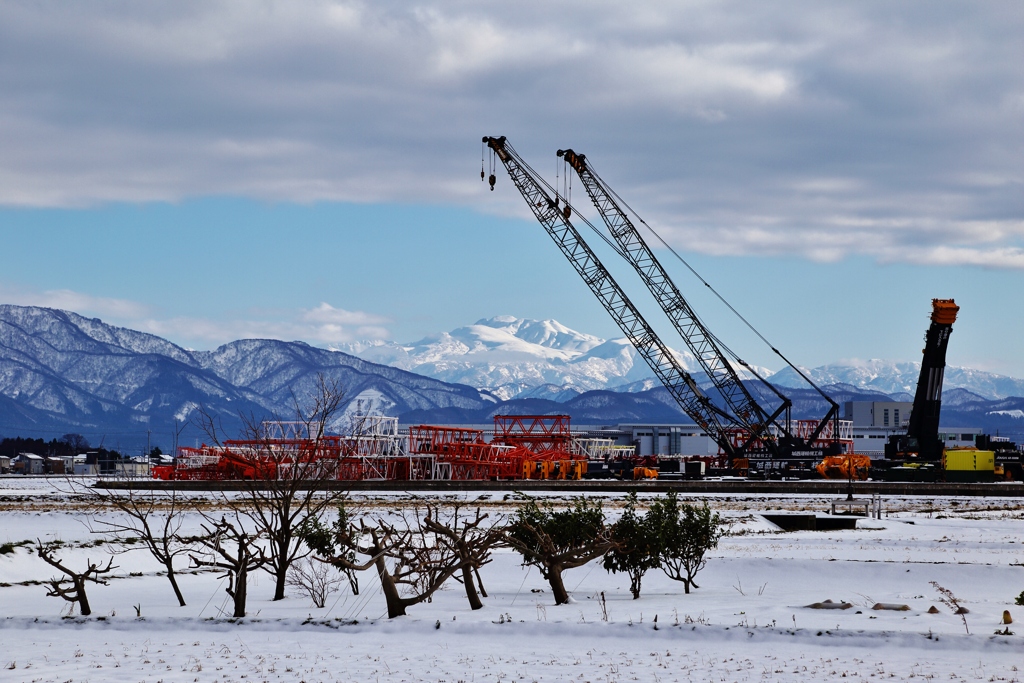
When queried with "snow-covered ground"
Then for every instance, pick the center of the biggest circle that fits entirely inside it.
(748, 621)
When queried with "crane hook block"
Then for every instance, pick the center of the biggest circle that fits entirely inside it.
(482, 175)
(567, 211)
(493, 179)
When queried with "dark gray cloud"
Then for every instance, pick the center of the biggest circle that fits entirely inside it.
(892, 129)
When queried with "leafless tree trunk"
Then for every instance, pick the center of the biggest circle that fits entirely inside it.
(72, 588)
(467, 539)
(149, 517)
(236, 552)
(293, 481)
(409, 562)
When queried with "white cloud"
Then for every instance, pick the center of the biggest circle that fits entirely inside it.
(321, 325)
(819, 129)
(202, 332)
(327, 314)
(83, 304)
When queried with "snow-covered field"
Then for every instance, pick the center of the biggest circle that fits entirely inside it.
(748, 621)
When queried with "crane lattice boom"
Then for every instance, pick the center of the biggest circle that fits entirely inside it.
(659, 357)
(700, 341)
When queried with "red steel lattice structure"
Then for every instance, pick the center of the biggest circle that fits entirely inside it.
(462, 454)
(538, 433)
(524, 447)
(549, 442)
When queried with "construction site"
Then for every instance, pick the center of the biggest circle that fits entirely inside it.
(748, 419)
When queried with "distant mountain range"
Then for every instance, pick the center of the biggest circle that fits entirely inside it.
(521, 358)
(891, 377)
(61, 372)
(516, 358)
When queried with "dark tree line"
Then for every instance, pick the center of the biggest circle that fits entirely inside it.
(67, 445)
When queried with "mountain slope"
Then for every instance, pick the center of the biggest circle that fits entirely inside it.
(61, 372)
(279, 371)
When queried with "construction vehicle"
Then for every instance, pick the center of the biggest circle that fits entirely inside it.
(918, 455)
(749, 432)
(1009, 461)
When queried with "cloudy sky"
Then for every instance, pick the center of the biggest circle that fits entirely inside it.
(310, 170)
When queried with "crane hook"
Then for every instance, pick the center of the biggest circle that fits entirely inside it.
(492, 180)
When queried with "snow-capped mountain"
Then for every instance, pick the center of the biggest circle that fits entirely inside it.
(60, 371)
(892, 377)
(514, 357)
(519, 358)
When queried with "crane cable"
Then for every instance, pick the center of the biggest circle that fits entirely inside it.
(597, 231)
(713, 291)
(618, 250)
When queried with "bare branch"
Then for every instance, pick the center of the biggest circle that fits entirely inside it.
(72, 588)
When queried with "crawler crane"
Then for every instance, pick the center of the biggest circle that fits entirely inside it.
(743, 428)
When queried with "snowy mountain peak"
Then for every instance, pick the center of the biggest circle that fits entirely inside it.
(513, 357)
(548, 333)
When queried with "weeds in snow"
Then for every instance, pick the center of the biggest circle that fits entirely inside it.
(947, 598)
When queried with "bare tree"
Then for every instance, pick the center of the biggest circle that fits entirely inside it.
(149, 517)
(235, 551)
(293, 479)
(469, 540)
(556, 540)
(72, 588)
(76, 442)
(316, 579)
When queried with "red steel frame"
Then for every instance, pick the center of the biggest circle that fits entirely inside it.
(525, 446)
(538, 433)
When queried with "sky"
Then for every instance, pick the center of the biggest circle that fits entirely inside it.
(209, 171)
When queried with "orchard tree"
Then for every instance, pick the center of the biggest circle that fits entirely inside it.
(635, 548)
(410, 563)
(231, 548)
(685, 535)
(292, 484)
(555, 540)
(470, 540)
(72, 587)
(149, 517)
